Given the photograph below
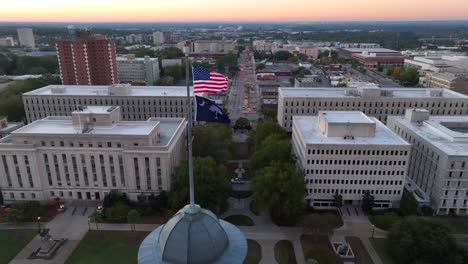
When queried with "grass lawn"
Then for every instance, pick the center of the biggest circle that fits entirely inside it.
(317, 247)
(13, 241)
(362, 256)
(108, 247)
(240, 220)
(284, 252)
(322, 221)
(459, 225)
(254, 253)
(380, 245)
(254, 207)
(241, 194)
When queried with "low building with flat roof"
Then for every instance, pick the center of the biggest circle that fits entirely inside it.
(439, 157)
(88, 154)
(373, 101)
(136, 102)
(7, 127)
(349, 153)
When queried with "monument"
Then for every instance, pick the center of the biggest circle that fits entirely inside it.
(48, 246)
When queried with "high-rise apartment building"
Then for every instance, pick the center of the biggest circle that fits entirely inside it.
(439, 157)
(138, 70)
(373, 101)
(88, 154)
(349, 153)
(7, 42)
(87, 60)
(26, 37)
(158, 38)
(136, 102)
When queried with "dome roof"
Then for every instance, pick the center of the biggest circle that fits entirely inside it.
(194, 236)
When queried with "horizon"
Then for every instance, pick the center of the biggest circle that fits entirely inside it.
(204, 11)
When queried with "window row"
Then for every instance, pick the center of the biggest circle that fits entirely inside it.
(354, 191)
(361, 182)
(357, 152)
(355, 172)
(358, 162)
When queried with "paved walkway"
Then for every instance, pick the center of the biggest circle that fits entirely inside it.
(72, 224)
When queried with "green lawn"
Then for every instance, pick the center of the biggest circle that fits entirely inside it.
(457, 224)
(254, 207)
(318, 247)
(254, 254)
(13, 241)
(240, 220)
(359, 250)
(380, 245)
(284, 252)
(322, 222)
(108, 247)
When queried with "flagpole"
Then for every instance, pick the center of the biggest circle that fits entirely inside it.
(189, 132)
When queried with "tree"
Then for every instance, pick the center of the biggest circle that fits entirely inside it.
(242, 123)
(338, 199)
(409, 76)
(269, 113)
(174, 71)
(158, 203)
(212, 187)
(280, 187)
(170, 53)
(312, 261)
(274, 148)
(133, 216)
(212, 140)
(282, 55)
(263, 130)
(116, 213)
(114, 197)
(396, 72)
(367, 202)
(408, 204)
(14, 215)
(386, 221)
(423, 240)
(260, 66)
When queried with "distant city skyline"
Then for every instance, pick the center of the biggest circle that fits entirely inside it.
(230, 10)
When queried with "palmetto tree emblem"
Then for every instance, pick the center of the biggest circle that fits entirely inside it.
(215, 109)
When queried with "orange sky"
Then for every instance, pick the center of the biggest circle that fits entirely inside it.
(230, 10)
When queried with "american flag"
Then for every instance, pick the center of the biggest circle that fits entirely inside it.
(207, 81)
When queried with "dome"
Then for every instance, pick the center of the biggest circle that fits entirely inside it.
(194, 236)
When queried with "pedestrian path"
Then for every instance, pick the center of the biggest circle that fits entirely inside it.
(71, 225)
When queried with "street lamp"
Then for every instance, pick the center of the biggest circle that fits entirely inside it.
(39, 223)
(373, 230)
(89, 223)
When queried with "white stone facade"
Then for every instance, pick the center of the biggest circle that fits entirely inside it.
(439, 157)
(85, 156)
(136, 102)
(373, 101)
(349, 153)
(26, 37)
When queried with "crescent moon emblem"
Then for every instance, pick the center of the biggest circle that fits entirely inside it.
(202, 104)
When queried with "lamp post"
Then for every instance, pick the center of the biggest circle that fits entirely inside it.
(89, 223)
(39, 223)
(373, 230)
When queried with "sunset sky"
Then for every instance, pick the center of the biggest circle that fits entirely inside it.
(229, 10)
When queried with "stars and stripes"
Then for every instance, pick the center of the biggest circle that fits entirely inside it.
(207, 81)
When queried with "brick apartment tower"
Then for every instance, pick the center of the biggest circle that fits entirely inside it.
(87, 60)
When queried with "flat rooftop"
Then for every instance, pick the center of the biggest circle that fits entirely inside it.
(447, 133)
(328, 92)
(345, 117)
(371, 50)
(309, 129)
(103, 90)
(96, 109)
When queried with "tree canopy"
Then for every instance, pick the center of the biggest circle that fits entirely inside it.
(424, 240)
(263, 130)
(212, 140)
(212, 188)
(280, 186)
(274, 148)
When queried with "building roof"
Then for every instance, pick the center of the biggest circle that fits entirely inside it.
(344, 117)
(54, 126)
(194, 236)
(327, 92)
(436, 131)
(371, 50)
(103, 90)
(308, 127)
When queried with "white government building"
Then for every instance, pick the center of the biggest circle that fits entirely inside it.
(84, 156)
(138, 70)
(136, 102)
(373, 101)
(349, 153)
(439, 157)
